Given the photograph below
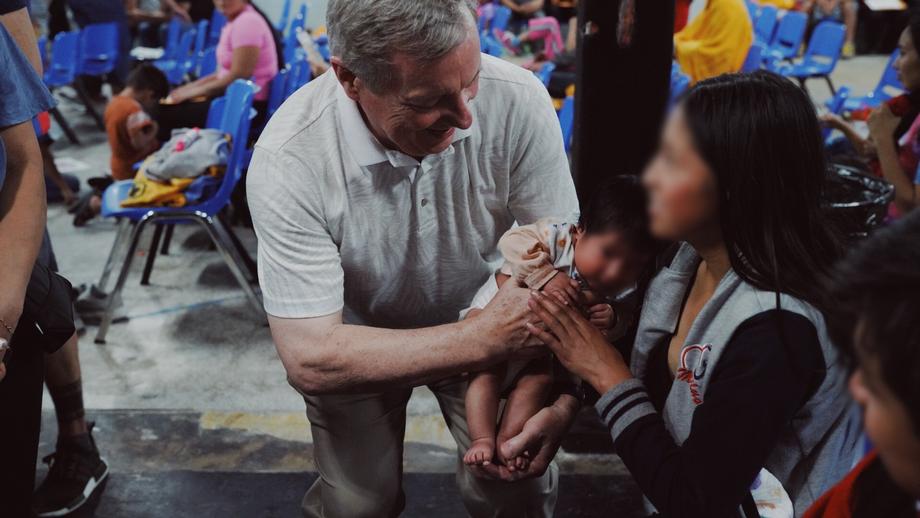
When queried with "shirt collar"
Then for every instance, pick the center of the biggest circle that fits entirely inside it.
(365, 147)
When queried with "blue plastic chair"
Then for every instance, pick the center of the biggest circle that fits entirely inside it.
(62, 71)
(207, 64)
(836, 105)
(278, 90)
(567, 121)
(754, 58)
(887, 88)
(322, 45)
(292, 47)
(299, 75)
(546, 72)
(201, 40)
(176, 67)
(217, 24)
(285, 14)
(98, 49)
(788, 38)
(173, 33)
(820, 57)
(765, 24)
(679, 83)
(230, 114)
(501, 19)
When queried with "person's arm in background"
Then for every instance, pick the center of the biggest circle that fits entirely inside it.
(22, 195)
(176, 9)
(862, 145)
(882, 123)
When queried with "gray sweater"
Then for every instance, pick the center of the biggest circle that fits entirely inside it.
(757, 387)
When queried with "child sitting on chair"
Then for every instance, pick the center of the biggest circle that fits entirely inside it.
(606, 252)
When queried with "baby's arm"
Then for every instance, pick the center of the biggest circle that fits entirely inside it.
(527, 254)
(481, 414)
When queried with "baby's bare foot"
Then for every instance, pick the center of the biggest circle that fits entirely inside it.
(480, 453)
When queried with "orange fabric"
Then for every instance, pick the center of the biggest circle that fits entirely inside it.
(125, 120)
(716, 41)
(836, 502)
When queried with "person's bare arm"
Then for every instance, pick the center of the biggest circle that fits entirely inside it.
(18, 24)
(242, 67)
(323, 355)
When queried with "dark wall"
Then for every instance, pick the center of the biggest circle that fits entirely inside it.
(622, 87)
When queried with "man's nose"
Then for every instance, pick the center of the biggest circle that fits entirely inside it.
(460, 114)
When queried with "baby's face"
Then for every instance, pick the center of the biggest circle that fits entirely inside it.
(607, 261)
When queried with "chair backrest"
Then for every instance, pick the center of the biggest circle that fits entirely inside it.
(789, 34)
(276, 93)
(99, 48)
(43, 51)
(766, 22)
(207, 64)
(826, 42)
(64, 55)
(754, 58)
(501, 18)
(679, 83)
(201, 37)
(230, 114)
(218, 21)
(835, 105)
(567, 121)
(173, 32)
(546, 72)
(299, 75)
(889, 86)
(185, 44)
(285, 14)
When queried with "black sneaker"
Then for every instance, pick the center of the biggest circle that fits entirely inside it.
(75, 474)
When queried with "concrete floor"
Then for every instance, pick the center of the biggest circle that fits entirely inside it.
(194, 413)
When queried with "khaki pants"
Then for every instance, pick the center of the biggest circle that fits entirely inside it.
(358, 450)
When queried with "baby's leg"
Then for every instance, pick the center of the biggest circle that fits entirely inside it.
(528, 397)
(481, 400)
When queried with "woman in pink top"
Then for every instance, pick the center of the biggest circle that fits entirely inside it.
(248, 49)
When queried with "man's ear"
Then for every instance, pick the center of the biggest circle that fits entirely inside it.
(346, 78)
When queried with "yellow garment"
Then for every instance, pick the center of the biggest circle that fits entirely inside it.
(716, 41)
(780, 4)
(149, 193)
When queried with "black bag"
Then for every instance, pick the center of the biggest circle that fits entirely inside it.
(48, 308)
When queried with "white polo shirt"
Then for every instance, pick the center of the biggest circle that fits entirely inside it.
(346, 224)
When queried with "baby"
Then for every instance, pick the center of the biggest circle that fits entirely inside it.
(606, 252)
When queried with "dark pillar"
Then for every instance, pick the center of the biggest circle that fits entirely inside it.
(622, 86)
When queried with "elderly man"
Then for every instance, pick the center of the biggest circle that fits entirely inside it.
(379, 192)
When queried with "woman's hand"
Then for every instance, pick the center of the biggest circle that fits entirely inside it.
(833, 121)
(579, 346)
(882, 123)
(177, 96)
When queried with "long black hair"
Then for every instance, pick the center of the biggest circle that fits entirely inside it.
(760, 136)
(276, 35)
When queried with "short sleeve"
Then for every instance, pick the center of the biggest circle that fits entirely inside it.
(22, 93)
(8, 6)
(300, 270)
(541, 183)
(248, 31)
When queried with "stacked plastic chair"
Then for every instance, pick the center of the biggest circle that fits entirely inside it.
(787, 40)
(97, 56)
(888, 87)
(765, 24)
(176, 60)
(820, 57)
(231, 114)
(62, 71)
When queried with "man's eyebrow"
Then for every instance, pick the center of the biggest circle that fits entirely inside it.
(427, 96)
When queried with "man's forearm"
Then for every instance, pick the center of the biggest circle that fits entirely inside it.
(366, 359)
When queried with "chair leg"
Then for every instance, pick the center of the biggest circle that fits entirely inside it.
(830, 85)
(221, 239)
(65, 126)
(115, 295)
(152, 253)
(124, 227)
(88, 103)
(167, 239)
(240, 249)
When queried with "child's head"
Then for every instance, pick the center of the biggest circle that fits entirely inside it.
(148, 85)
(874, 320)
(612, 243)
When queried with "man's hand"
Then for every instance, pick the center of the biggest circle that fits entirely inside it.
(506, 318)
(539, 441)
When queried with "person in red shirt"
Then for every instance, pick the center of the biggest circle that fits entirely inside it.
(873, 321)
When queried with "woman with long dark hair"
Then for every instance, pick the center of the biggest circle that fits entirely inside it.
(732, 383)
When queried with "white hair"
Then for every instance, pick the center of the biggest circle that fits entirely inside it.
(365, 34)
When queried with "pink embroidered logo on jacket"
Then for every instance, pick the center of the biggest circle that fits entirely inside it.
(692, 368)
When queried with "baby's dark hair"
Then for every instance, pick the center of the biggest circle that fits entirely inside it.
(876, 294)
(149, 77)
(620, 204)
